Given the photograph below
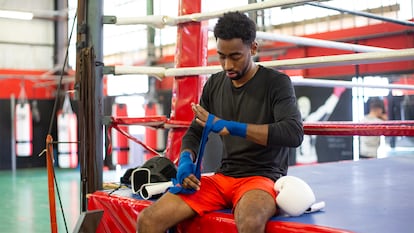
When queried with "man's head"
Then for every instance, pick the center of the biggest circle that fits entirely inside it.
(235, 25)
(376, 105)
(235, 34)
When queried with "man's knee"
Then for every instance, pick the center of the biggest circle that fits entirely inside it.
(144, 221)
(250, 223)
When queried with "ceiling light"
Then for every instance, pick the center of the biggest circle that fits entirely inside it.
(16, 15)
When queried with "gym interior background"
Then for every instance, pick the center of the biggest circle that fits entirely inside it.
(37, 35)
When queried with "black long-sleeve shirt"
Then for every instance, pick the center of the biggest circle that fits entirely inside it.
(267, 98)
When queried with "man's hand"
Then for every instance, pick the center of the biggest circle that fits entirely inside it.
(201, 117)
(191, 182)
(185, 181)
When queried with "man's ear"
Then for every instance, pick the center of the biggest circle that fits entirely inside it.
(253, 48)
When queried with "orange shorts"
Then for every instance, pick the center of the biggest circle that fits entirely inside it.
(223, 192)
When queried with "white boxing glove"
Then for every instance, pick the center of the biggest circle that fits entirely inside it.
(295, 196)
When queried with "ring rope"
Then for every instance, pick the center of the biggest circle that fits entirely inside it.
(334, 128)
(161, 21)
(297, 63)
(318, 42)
(116, 122)
(306, 41)
(343, 128)
(386, 128)
(349, 84)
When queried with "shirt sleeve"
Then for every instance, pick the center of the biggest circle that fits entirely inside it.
(287, 130)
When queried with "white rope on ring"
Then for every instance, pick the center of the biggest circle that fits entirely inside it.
(344, 59)
(347, 84)
(298, 63)
(156, 21)
(315, 42)
(161, 21)
(158, 72)
(318, 42)
(199, 70)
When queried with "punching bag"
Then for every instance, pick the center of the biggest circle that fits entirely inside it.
(23, 125)
(67, 125)
(24, 129)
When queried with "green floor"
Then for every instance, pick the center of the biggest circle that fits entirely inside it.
(24, 200)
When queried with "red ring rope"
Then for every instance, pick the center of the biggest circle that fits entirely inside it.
(338, 128)
(346, 128)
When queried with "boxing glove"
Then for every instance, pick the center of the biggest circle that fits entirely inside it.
(294, 197)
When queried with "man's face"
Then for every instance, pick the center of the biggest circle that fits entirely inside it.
(235, 57)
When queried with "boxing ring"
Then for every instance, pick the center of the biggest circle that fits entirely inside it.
(361, 196)
(369, 196)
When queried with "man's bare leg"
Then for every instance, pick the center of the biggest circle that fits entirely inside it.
(253, 211)
(163, 214)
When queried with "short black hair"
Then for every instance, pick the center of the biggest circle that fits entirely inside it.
(235, 25)
(375, 102)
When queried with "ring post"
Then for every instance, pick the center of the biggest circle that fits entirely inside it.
(51, 183)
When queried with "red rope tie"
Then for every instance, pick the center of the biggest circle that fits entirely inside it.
(115, 125)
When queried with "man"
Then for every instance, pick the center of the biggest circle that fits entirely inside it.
(376, 113)
(254, 110)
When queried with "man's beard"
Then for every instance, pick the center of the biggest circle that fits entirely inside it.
(240, 74)
(237, 77)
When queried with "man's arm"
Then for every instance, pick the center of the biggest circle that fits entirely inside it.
(257, 133)
(254, 133)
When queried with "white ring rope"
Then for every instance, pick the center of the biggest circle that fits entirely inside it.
(298, 63)
(347, 84)
(315, 42)
(161, 21)
(344, 59)
(158, 72)
(318, 42)
(198, 70)
(156, 21)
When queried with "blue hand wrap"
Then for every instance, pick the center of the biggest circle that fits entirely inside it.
(234, 128)
(186, 167)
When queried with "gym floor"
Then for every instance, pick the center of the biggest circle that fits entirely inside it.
(24, 199)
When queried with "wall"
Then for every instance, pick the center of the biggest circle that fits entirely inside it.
(27, 44)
